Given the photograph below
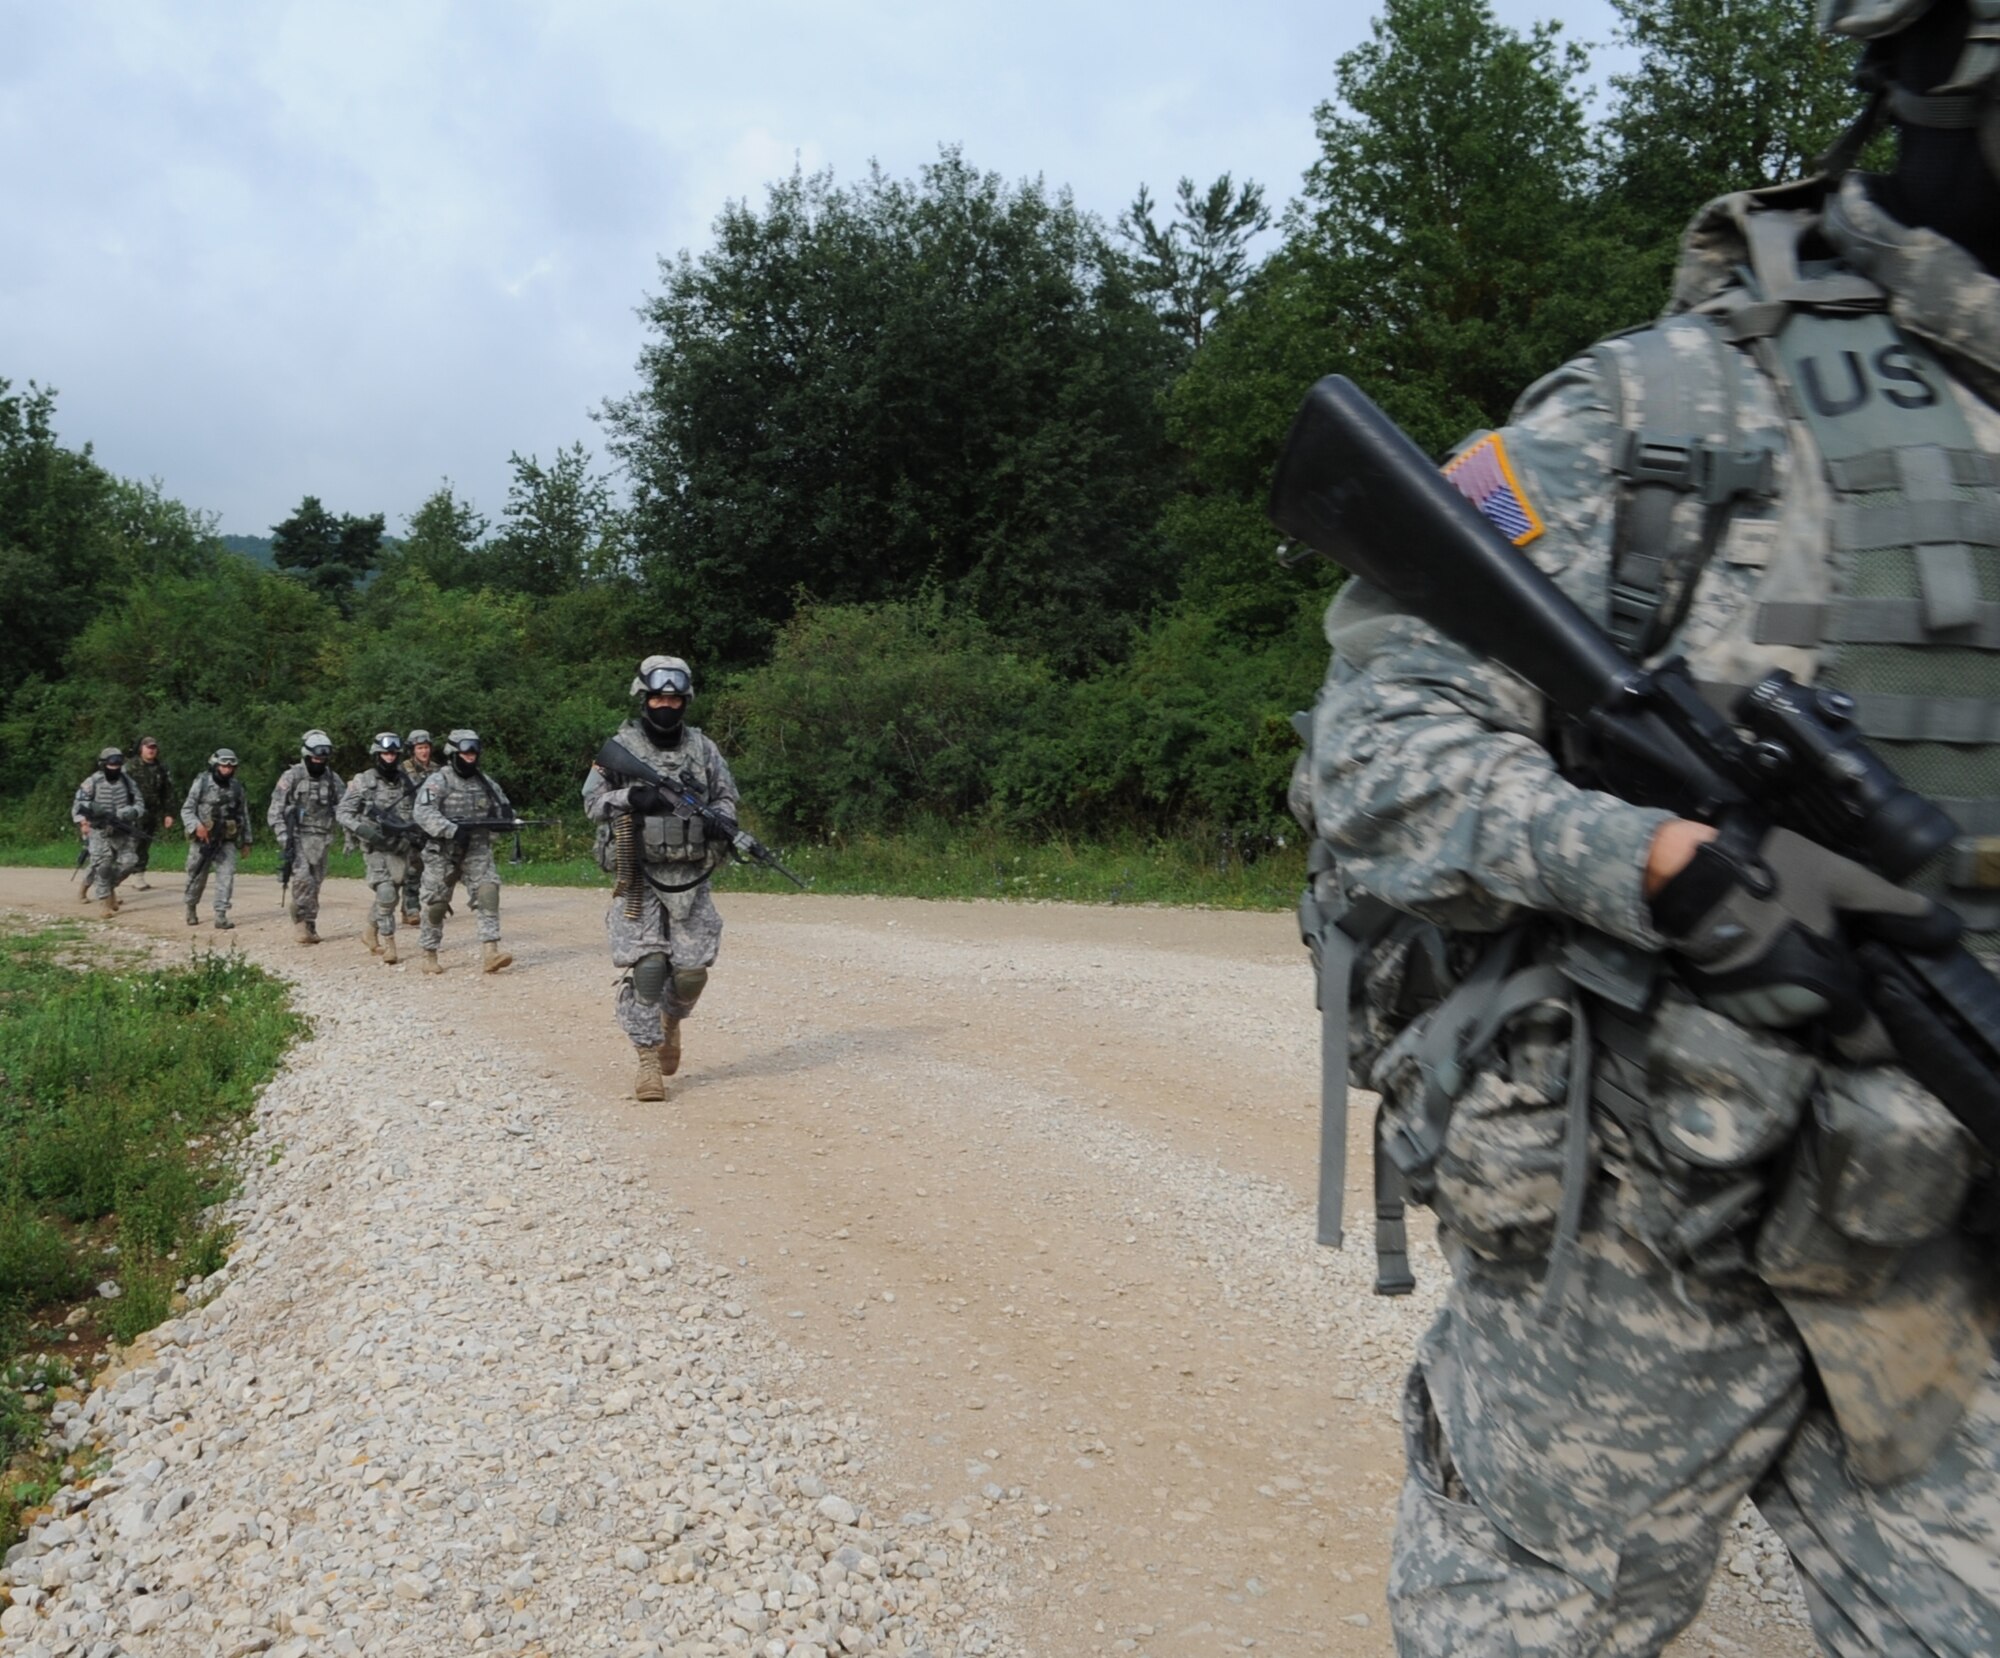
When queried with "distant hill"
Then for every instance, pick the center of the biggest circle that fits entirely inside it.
(256, 548)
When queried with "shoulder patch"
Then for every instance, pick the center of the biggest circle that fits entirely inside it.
(1485, 476)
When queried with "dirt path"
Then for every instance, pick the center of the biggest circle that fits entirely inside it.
(1035, 1185)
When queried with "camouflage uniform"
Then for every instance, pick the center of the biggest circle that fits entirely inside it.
(385, 857)
(445, 798)
(683, 924)
(111, 808)
(315, 799)
(225, 809)
(1574, 1455)
(156, 788)
(415, 771)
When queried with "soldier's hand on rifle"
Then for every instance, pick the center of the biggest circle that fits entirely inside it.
(201, 832)
(1766, 933)
(461, 837)
(83, 831)
(744, 842)
(647, 799)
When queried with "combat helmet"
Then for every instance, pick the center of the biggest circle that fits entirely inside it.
(385, 742)
(316, 745)
(224, 757)
(111, 757)
(1968, 99)
(659, 675)
(419, 735)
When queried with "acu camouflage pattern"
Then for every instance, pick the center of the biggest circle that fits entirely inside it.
(218, 807)
(442, 799)
(416, 771)
(385, 860)
(117, 809)
(684, 926)
(316, 799)
(1572, 1469)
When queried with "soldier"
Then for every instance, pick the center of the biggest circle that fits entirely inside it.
(216, 815)
(666, 933)
(156, 787)
(301, 816)
(454, 796)
(376, 811)
(1696, 1250)
(417, 765)
(107, 811)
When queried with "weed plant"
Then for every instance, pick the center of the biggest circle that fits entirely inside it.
(122, 1089)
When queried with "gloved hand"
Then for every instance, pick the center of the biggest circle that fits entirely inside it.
(461, 837)
(129, 814)
(1767, 935)
(744, 842)
(647, 799)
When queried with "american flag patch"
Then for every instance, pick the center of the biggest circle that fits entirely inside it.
(1485, 477)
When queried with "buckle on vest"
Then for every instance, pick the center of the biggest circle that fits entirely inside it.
(1680, 463)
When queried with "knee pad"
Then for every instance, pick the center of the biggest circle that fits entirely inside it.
(386, 895)
(434, 912)
(689, 982)
(649, 978)
(486, 899)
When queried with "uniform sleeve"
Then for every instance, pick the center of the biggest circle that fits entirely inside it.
(348, 814)
(721, 781)
(427, 813)
(79, 806)
(191, 807)
(281, 800)
(1430, 778)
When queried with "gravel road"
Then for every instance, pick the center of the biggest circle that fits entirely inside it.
(961, 1299)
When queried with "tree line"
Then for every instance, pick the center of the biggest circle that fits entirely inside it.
(951, 491)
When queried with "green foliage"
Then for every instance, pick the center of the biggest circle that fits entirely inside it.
(859, 391)
(561, 527)
(1194, 267)
(329, 552)
(442, 546)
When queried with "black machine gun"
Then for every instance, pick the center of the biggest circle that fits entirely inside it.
(288, 854)
(463, 829)
(618, 762)
(1355, 490)
(399, 832)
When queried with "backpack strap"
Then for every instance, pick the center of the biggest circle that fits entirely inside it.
(1682, 464)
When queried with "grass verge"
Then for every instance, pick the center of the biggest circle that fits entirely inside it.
(123, 1088)
(932, 861)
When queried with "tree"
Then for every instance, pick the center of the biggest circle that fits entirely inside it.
(562, 526)
(1198, 264)
(1727, 95)
(858, 390)
(330, 554)
(444, 542)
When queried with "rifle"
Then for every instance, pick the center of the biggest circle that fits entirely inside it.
(288, 854)
(1355, 490)
(615, 760)
(499, 826)
(401, 832)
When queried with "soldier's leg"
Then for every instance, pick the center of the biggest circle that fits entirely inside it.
(440, 872)
(1570, 1478)
(308, 876)
(103, 857)
(1911, 1568)
(413, 884)
(197, 879)
(149, 827)
(224, 871)
(696, 930)
(125, 859)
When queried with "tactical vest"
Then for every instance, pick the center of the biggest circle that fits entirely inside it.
(314, 799)
(1896, 602)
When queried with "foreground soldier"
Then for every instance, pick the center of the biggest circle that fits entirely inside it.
(1759, 1282)
(417, 765)
(455, 795)
(107, 810)
(301, 815)
(381, 793)
(216, 815)
(666, 930)
(156, 788)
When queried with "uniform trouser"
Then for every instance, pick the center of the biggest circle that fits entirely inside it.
(682, 926)
(445, 865)
(148, 826)
(1570, 1479)
(113, 856)
(413, 879)
(222, 866)
(386, 870)
(308, 872)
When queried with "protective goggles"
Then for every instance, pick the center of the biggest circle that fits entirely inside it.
(386, 744)
(667, 682)
(320, 751)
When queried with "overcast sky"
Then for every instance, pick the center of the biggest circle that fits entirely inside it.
(348, 249)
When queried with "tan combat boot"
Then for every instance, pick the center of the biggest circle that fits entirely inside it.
(670, 1050)
(194, 916)
(649, 1084)
(372, 939)
(431, 963)
(108, 908)
(388, 949)
(304, 933)
(111, 899)
(496, 958)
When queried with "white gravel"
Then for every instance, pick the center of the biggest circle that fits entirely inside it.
(462, 1388)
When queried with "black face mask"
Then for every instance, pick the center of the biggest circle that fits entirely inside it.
(315, 768)
(465, 764)
(386, 765)
(114, 772)
(663, 725)
(223, 778)
(1941, 179)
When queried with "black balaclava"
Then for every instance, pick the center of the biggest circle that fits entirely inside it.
(664, 725)
(389, 764)
(315, 768)
(465, 764)
(222, 779)
(1941, 179)
(113, 769)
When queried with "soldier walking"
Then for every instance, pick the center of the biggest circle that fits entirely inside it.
(107, 811)
(417, 765)
(453, 797)
(216, 816)
(666, 931)
(301, 816)
(156, 788)
(375, 810)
